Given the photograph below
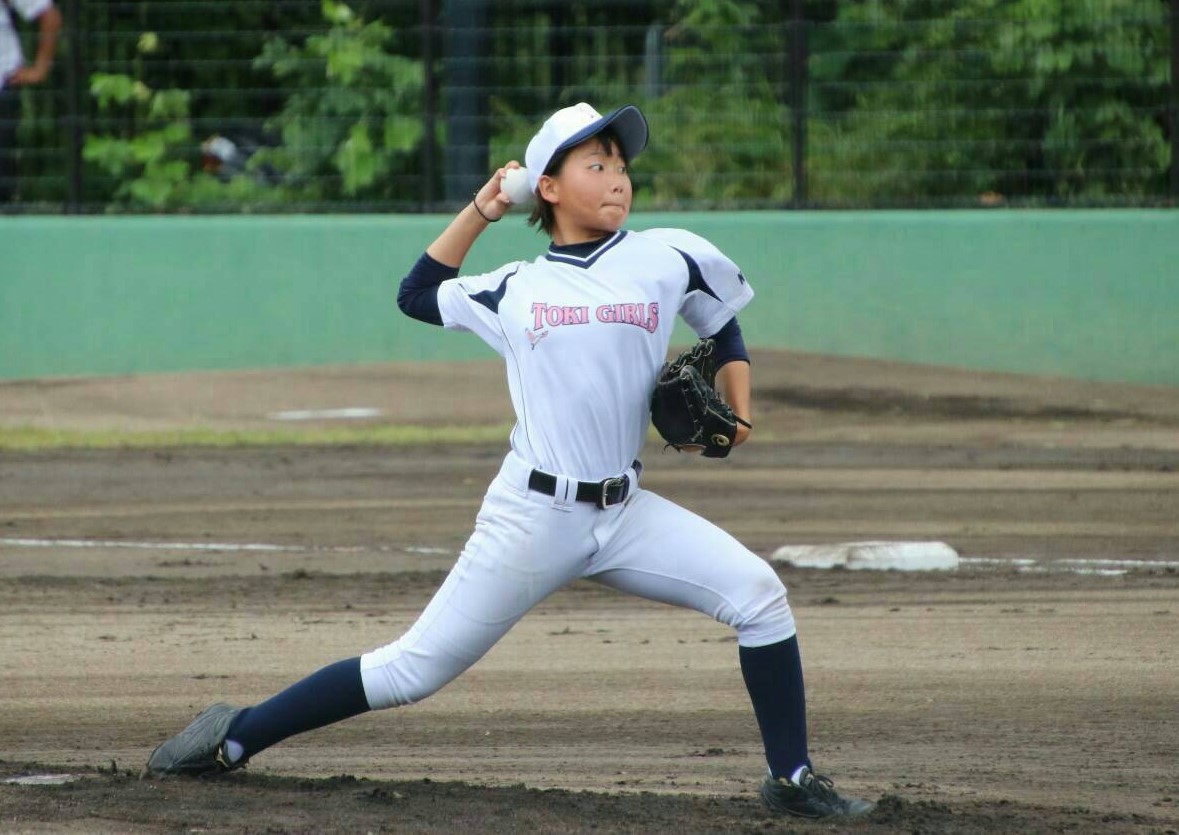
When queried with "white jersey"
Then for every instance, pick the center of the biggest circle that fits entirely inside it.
(584, 331)
(11, 57)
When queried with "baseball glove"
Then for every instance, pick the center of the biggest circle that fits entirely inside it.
(685, 407)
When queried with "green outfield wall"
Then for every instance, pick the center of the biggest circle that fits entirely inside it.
(1086, 294)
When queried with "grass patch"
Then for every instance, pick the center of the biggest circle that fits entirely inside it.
(34, 439)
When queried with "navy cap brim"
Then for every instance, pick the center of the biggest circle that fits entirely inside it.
(629, 124)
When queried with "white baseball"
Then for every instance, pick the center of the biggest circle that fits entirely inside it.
(515, 185)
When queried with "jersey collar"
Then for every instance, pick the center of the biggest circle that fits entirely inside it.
(584, 254)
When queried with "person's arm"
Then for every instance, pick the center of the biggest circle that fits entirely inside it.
(49, 23)
(734, 378)
(487, 206)
(734, 381)
(417, 295)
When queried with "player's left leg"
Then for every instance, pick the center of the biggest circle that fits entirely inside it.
(661, 551)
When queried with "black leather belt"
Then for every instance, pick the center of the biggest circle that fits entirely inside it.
(605, 493)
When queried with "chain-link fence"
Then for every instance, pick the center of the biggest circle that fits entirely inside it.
(313, 105)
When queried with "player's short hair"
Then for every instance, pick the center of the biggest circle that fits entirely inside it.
(542, 210)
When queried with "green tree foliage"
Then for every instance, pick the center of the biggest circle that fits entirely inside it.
(723, 135)
(148, 174)
(720, 132)
(349, 125)
(347, 128)
(149, 164)
(909, 102)
(149, 158)
(1037, 100)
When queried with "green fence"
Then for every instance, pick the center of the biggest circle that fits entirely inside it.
(1086, 294)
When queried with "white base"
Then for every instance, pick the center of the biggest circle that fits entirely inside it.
(877, 556)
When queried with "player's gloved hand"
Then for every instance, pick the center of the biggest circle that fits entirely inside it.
(686, 409)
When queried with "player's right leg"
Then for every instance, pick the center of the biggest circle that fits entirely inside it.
(521, 551)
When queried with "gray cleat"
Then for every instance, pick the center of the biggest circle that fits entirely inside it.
(814, 797)
(199, 749)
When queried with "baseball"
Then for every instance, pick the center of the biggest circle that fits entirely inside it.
(515, 185)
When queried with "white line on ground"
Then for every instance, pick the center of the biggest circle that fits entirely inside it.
(158, 546)
(1100, 567)
(18, 542)
(1133, 563)
(1073, 565)
(997, 560)
(351, 413)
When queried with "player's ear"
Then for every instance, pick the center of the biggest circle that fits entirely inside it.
(548, 188)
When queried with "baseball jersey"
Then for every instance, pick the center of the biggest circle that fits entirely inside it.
(584, 330)
(11, 57)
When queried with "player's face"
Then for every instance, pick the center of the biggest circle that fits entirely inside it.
(592, 193)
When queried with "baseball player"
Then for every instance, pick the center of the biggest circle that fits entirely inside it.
(583, 330)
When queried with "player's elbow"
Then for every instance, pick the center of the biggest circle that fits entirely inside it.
(50, 21)
(419, 303)
(404, 298)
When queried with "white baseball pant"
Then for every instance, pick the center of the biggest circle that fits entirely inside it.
(526, 545)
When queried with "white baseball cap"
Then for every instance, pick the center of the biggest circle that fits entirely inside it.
(573, 125)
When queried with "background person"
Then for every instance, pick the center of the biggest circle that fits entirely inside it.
(15, 73)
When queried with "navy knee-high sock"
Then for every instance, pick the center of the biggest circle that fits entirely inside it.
(773, 676)
(329, 695)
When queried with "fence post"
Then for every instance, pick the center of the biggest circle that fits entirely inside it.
(1175, 98)
(429, 105)
(75, 84)
(466, 100)
(798, 83)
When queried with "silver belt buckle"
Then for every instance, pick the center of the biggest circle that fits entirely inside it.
(616, 481)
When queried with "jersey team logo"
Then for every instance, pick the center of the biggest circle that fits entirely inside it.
(641, 314)
(534, 337)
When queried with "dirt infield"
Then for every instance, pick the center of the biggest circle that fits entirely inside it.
(1033, 690)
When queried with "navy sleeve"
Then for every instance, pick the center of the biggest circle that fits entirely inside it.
(418, 294)
(730, 345)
